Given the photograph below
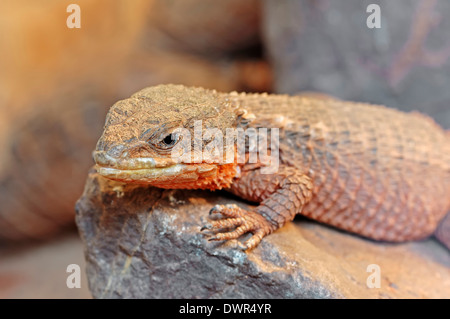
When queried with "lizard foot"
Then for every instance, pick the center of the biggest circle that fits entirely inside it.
(241, 221)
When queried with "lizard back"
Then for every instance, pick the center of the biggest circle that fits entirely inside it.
(377, 172)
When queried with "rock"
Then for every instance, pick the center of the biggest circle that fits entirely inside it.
(208, 28)
(326, 46)
(443, 231)
(39, 270)
(143, 242)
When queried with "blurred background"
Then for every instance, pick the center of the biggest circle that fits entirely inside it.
(57, 83)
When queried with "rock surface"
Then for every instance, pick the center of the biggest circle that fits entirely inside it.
(39, 270)
(143, 242)
(443, 231)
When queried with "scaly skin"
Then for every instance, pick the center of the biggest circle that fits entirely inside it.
(367, 169)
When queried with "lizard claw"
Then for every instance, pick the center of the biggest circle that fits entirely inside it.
(205, 227)
(240, 222)
(229, 210)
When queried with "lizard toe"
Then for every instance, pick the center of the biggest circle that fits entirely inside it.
(230, 210)
(254, 241)
(239, 223)
(239, 231)
(226, 223)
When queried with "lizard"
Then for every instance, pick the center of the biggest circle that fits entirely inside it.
(368, 169)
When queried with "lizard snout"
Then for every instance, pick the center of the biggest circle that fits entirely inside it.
(123, 152)
(116, 151)
(136, 155)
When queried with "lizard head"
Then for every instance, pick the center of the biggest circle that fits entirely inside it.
(151, 138)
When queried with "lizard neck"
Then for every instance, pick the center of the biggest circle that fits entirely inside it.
(221, 176)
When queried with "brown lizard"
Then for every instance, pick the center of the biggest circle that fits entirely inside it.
(367, 169)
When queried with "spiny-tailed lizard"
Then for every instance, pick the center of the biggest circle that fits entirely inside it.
(367, 169)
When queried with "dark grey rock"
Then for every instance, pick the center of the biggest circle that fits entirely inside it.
(143, 242)
(443, 231)
(326, 46)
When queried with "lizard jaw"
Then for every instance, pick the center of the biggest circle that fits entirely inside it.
(173, 174)
(165, 172)
(146, 170)
(102, 159)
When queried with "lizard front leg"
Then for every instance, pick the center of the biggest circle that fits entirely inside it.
(281, 197)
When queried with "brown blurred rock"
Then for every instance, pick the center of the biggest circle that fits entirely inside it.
(39, 270)
(41, 56)
(326, 46)
(49, 150)
(145, 243)
(223, 75)
(207, 27)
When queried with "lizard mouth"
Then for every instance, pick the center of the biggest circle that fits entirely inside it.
(101, 158)
(146, 170)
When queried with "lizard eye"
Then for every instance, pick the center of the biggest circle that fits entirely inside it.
(170, 140)
(164, 143)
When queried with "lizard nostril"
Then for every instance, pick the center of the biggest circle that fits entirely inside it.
(133, 150)
(116, 151)
(140, 151)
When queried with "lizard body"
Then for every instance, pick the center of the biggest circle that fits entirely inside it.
(367, 169)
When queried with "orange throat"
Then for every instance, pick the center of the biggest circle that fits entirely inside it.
(219, 177)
